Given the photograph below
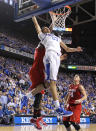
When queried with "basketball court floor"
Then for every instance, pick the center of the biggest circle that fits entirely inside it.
(85, 127)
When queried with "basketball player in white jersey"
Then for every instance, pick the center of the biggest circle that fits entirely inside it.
(51, 61)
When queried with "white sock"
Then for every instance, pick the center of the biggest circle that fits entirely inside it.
(56, 103)
(29, 95)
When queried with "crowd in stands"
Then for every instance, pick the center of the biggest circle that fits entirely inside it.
(19, 44)
(15, 82)
(67, 40)
(82, 58)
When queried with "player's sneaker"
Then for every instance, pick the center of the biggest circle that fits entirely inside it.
(63, 112)
(41, 120)
(32, 120)
(37, 124)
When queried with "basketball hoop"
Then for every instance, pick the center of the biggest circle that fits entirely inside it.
(59, 16)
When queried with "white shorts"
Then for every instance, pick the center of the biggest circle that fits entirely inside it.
(51, 62)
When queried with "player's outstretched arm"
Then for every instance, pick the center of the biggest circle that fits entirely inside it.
(67, 98)
(53, 17)
(38, 29)
(51, 27)
(84, 95)
(67, 49)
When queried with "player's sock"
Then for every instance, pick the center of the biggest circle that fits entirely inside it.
(36, 113)
(56, 103)
(39, 113)
(29, 95)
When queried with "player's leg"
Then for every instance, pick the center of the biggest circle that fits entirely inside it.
(37, 118)
(76, 126)
(37, 111)
(37, 79)
(40, 87)
(67, 125)
(75, 118)
(51, 71)
(53, 90)
(52, 63)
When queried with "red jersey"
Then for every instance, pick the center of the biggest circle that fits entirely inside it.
(37, 70)
(38, 57)
(75, 93)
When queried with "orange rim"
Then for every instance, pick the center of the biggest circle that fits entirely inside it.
(67, 6)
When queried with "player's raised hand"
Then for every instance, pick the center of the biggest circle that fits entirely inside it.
(34, 7)
(66, 106)
(63, 57)
(78, 101)
(79, 49)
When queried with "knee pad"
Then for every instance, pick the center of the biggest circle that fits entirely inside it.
(76, 126)
(66, 124)
(37, 101)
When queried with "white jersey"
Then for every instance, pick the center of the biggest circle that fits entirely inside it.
(50, 42)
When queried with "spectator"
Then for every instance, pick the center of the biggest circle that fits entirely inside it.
(1, 114)
(18, 111)
(4, 99)
(24, 110)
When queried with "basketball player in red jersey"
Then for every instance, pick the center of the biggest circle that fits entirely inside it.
(36, 75)
(76, 95)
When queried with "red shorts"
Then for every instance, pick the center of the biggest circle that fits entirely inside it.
(76, 109)
(36, 73)
(36, 76)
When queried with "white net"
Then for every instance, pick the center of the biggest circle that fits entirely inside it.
(59, 16)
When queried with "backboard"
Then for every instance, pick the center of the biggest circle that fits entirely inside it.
(24, 10)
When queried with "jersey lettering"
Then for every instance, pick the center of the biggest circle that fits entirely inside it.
(72, 92)
(53, 37)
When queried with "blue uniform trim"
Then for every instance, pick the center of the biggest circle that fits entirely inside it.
(48, 71)
(53, 80)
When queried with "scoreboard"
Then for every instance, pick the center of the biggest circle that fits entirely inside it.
(78, 67)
